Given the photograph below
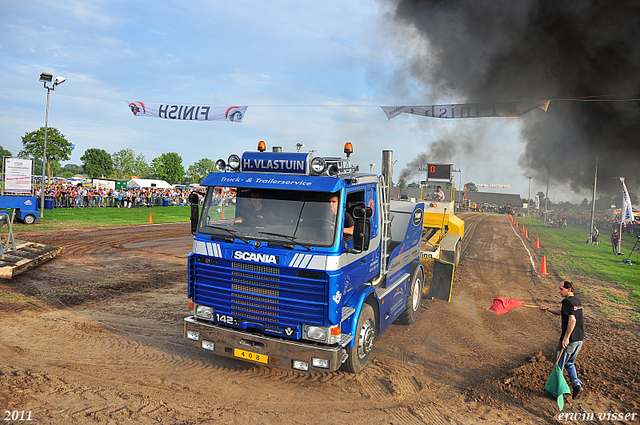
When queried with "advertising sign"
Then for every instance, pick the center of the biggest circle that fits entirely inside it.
(17, 175)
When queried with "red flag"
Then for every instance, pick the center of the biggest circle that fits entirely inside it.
(501, 305)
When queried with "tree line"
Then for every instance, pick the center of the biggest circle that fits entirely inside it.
(123, 164)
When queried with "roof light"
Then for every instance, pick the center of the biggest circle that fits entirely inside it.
(234, 162)
(318, 165)
(348, 148)
(221, 165)
(262, 146)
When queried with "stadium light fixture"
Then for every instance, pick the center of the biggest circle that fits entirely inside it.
(45, 77)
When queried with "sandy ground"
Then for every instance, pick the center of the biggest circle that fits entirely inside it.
(95, 336)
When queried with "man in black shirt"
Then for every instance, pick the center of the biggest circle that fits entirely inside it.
(255, 214)
(572, 332)
(348, 220)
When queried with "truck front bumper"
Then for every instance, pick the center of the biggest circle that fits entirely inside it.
(271, 351)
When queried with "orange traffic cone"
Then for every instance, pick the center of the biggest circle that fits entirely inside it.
(537, 243)
(526, 233)
(523, 227)
(222, 209)
(543, 267)
(150, 219)
(516, 224)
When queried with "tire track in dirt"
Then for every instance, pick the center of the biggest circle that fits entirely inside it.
(123, 359)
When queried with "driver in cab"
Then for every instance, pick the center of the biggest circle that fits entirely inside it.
(348, 220)
(438, 195)
(253, 215)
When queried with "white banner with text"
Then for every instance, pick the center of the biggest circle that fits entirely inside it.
(188, 112)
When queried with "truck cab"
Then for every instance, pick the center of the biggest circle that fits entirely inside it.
(307, 269)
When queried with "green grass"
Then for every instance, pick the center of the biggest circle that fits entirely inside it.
(66, 218)
(567, 251)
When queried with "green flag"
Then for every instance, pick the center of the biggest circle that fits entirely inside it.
(557, 385)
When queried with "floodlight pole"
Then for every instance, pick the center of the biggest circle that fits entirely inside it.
(46, 78)
(44, 151)
(458, 171)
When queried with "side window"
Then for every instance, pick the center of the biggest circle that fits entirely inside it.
(353, 199)
(372, 202)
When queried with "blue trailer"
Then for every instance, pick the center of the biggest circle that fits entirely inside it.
(316, 263)
(26, 207)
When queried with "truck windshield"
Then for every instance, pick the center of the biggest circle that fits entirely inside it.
(285, 217)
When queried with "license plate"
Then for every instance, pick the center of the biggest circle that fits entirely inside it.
(227, 319)
(248, 355)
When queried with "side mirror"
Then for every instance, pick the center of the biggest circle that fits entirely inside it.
(361, 235)
(361, 211)
(194, 200)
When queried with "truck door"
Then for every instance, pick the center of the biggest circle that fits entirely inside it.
(365, 266)
(354, 271)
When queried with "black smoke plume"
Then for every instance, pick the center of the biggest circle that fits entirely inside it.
(485, 51)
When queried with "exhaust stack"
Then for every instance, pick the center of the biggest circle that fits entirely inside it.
(387, 170)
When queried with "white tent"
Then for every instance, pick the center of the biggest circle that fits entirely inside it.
(147, 183)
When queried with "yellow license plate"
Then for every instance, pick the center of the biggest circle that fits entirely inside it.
(248, 355)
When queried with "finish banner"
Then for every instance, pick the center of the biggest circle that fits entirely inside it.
(468, 110)
(188, 112)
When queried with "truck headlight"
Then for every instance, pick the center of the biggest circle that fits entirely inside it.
(204, 312)
(207, 345)
(193, 335)
(328, 335)
(318, 362)
(317, 333)
(300, 365)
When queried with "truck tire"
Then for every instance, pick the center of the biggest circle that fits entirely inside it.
(414, 297)
(29, 219)
(358, 355)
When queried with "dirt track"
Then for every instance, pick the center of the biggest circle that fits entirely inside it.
(95, 336)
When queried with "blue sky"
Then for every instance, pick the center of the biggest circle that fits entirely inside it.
(310, 72)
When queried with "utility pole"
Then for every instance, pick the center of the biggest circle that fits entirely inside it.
(546, 200)
(621, 215)
(529, 198)
(593, 203)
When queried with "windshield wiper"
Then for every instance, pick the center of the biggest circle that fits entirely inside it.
(232, 232)
(291, 238)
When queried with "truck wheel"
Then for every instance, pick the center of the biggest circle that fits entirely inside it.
(29, 219)
(414, 297)
(365, 334)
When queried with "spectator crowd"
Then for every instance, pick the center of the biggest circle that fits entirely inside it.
(69, 196)
(603, 222)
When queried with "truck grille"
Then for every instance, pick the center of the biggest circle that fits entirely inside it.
(260, 294)
(255, 267)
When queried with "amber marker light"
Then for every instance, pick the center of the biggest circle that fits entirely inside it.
(262, 146)
(191, 304)
(336, 330)
(348, 148)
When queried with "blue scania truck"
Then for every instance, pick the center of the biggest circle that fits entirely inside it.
(314, 265)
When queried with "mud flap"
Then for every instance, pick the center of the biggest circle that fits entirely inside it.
(441, 281)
